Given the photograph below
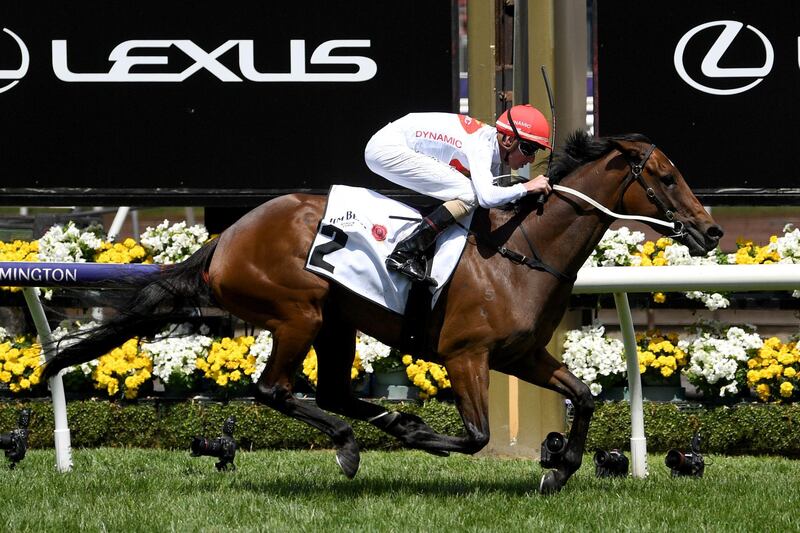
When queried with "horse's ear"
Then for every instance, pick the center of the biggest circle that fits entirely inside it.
(631, 150)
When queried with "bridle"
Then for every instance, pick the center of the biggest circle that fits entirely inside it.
(534, 260)
(636, 175)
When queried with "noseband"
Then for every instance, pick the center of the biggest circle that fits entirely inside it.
(636, 175)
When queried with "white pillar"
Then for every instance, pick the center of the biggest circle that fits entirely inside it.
(638, 441)
(61, 433)
(119, 220)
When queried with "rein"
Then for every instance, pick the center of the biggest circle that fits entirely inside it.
(534, 260)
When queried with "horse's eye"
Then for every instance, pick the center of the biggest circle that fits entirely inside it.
(668, 180)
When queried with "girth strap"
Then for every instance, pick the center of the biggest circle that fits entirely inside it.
(533, 261)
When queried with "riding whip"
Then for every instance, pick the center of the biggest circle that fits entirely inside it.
(542, 197)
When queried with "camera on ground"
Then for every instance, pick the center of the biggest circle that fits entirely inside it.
(610, 463)
(553, 448)
(689, 463)
(222, 447)
(15, 442)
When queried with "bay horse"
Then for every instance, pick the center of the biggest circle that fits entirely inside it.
(495, 313)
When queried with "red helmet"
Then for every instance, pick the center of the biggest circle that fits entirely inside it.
(526, 122)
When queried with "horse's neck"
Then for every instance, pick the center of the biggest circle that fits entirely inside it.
(568, 230)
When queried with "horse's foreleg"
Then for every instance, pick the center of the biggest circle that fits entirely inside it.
(545, 371)
(291, 343)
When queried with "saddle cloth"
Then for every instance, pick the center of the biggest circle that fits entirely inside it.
(360, 229)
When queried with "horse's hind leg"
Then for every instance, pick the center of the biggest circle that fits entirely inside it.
(545, 371)
(291, 342)
(469, 378)
(335, 347)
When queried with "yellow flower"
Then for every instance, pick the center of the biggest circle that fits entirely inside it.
(786, 389)
(763, 391)
(659, 297)
(789, 372)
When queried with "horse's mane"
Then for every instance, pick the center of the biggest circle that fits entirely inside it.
(581, 148)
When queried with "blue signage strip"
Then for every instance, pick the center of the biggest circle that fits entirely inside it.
(36, 274)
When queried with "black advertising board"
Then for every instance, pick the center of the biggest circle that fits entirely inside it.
(716, 84)
(154, 101)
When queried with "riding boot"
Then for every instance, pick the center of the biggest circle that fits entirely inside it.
(407, 256)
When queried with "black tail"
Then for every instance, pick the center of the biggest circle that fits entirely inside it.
(172, 295)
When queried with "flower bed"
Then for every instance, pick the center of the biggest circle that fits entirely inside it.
(228, 366)
(187, 362)
(720, 360)
(625, 248)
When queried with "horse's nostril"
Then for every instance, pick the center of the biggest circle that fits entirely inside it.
(715, 232)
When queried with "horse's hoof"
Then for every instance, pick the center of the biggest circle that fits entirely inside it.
(348, 461)
(549, 484)
(439, 453)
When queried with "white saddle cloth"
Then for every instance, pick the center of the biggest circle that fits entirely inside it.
(360, 229)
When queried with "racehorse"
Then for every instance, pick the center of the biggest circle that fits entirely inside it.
(498, 311)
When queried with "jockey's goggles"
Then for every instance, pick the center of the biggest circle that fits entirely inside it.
(527, 148)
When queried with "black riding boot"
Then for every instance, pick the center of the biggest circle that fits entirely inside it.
(407, 256)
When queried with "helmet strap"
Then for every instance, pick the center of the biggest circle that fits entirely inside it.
(513, 126)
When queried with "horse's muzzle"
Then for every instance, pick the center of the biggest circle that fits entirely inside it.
(701, 240)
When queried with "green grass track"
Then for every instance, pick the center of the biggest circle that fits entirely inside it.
(135, 490)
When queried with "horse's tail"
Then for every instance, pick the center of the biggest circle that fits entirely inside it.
(170, 295)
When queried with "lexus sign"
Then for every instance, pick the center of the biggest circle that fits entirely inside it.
(239, 100)
(716, 84)
(11, 77)
(710, 66)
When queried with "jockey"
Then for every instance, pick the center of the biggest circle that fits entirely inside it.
(455, 158)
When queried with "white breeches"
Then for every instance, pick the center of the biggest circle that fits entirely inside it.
(388, 155)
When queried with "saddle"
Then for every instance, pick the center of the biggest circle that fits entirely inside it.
(358, 231)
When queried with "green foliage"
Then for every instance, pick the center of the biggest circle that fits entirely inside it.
(171, 425)
(757, 429)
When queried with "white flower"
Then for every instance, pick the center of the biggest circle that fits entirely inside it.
(678, 254)
(175, 351)
(714, 359)
(261, 349)
(590, 356)
(68, 244)
(616, 248)
(370, 350)
(712, 301)
(173, 244)
(788, 246)
(67, 328)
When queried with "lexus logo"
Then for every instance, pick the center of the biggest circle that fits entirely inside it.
(710, 65)
(19, 73)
